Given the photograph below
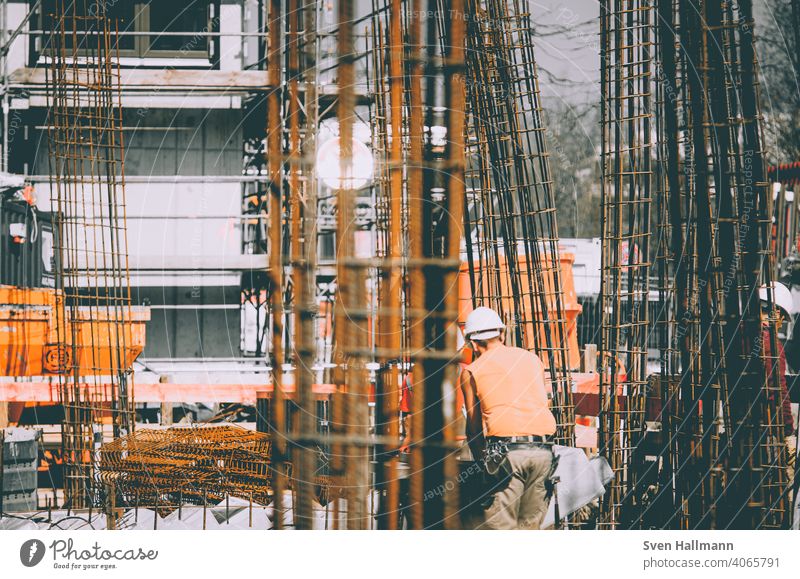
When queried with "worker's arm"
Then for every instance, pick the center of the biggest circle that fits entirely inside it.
(474, 419)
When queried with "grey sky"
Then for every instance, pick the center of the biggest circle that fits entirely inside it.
(567, 48)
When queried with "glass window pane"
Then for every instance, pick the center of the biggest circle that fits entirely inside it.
(80, 16)
(185, 16)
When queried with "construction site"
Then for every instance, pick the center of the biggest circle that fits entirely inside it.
(244, 245)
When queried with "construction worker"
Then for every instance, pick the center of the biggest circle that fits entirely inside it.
(509, 424)
(784, 303)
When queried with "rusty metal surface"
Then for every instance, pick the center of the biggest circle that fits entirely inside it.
(88, 196)
(193, 464)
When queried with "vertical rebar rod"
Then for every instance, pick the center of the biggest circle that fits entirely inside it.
(274, 162)
(454, 73)
(414, 251)
(302, 201)
(627, 176)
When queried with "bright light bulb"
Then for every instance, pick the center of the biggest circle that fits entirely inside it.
(329, 167)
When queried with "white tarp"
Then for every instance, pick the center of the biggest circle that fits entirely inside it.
(581, 481)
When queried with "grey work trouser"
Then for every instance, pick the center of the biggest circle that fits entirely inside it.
(522, 502)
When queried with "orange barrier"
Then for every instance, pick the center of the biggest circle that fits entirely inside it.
(29, 344)
(569, 302)
(99, 335)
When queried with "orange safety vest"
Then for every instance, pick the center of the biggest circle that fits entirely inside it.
(511, 390)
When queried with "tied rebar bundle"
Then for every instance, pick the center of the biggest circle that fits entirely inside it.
(391, 303)
(511, 231)
(88, 199)
(417, 82)
(627, 175)
(720, 458)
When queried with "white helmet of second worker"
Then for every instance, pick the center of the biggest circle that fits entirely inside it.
(781, 295)
(483, 324)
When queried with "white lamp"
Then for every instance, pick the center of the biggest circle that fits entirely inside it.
(329, 166)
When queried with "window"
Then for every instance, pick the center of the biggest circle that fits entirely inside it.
(326, 247)
(178, 17)
(174, 29)
(67, 15)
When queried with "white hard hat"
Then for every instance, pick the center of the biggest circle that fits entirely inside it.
(483, 324)
(781, 295)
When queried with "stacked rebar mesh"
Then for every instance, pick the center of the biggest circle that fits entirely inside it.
(191, 464)
(88, 198)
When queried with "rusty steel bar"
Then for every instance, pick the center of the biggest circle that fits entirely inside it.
(454, 68)
(661, 503)
(275, 162)
(389, 129)
(414, 250)
(351, 318)
(302, 199)
(394, 284)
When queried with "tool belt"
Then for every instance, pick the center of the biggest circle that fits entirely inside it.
(531, 439)
(498, 446)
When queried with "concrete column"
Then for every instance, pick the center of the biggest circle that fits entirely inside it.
(166, 407)
(18, 52)
(590, 358)
(230, 47)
